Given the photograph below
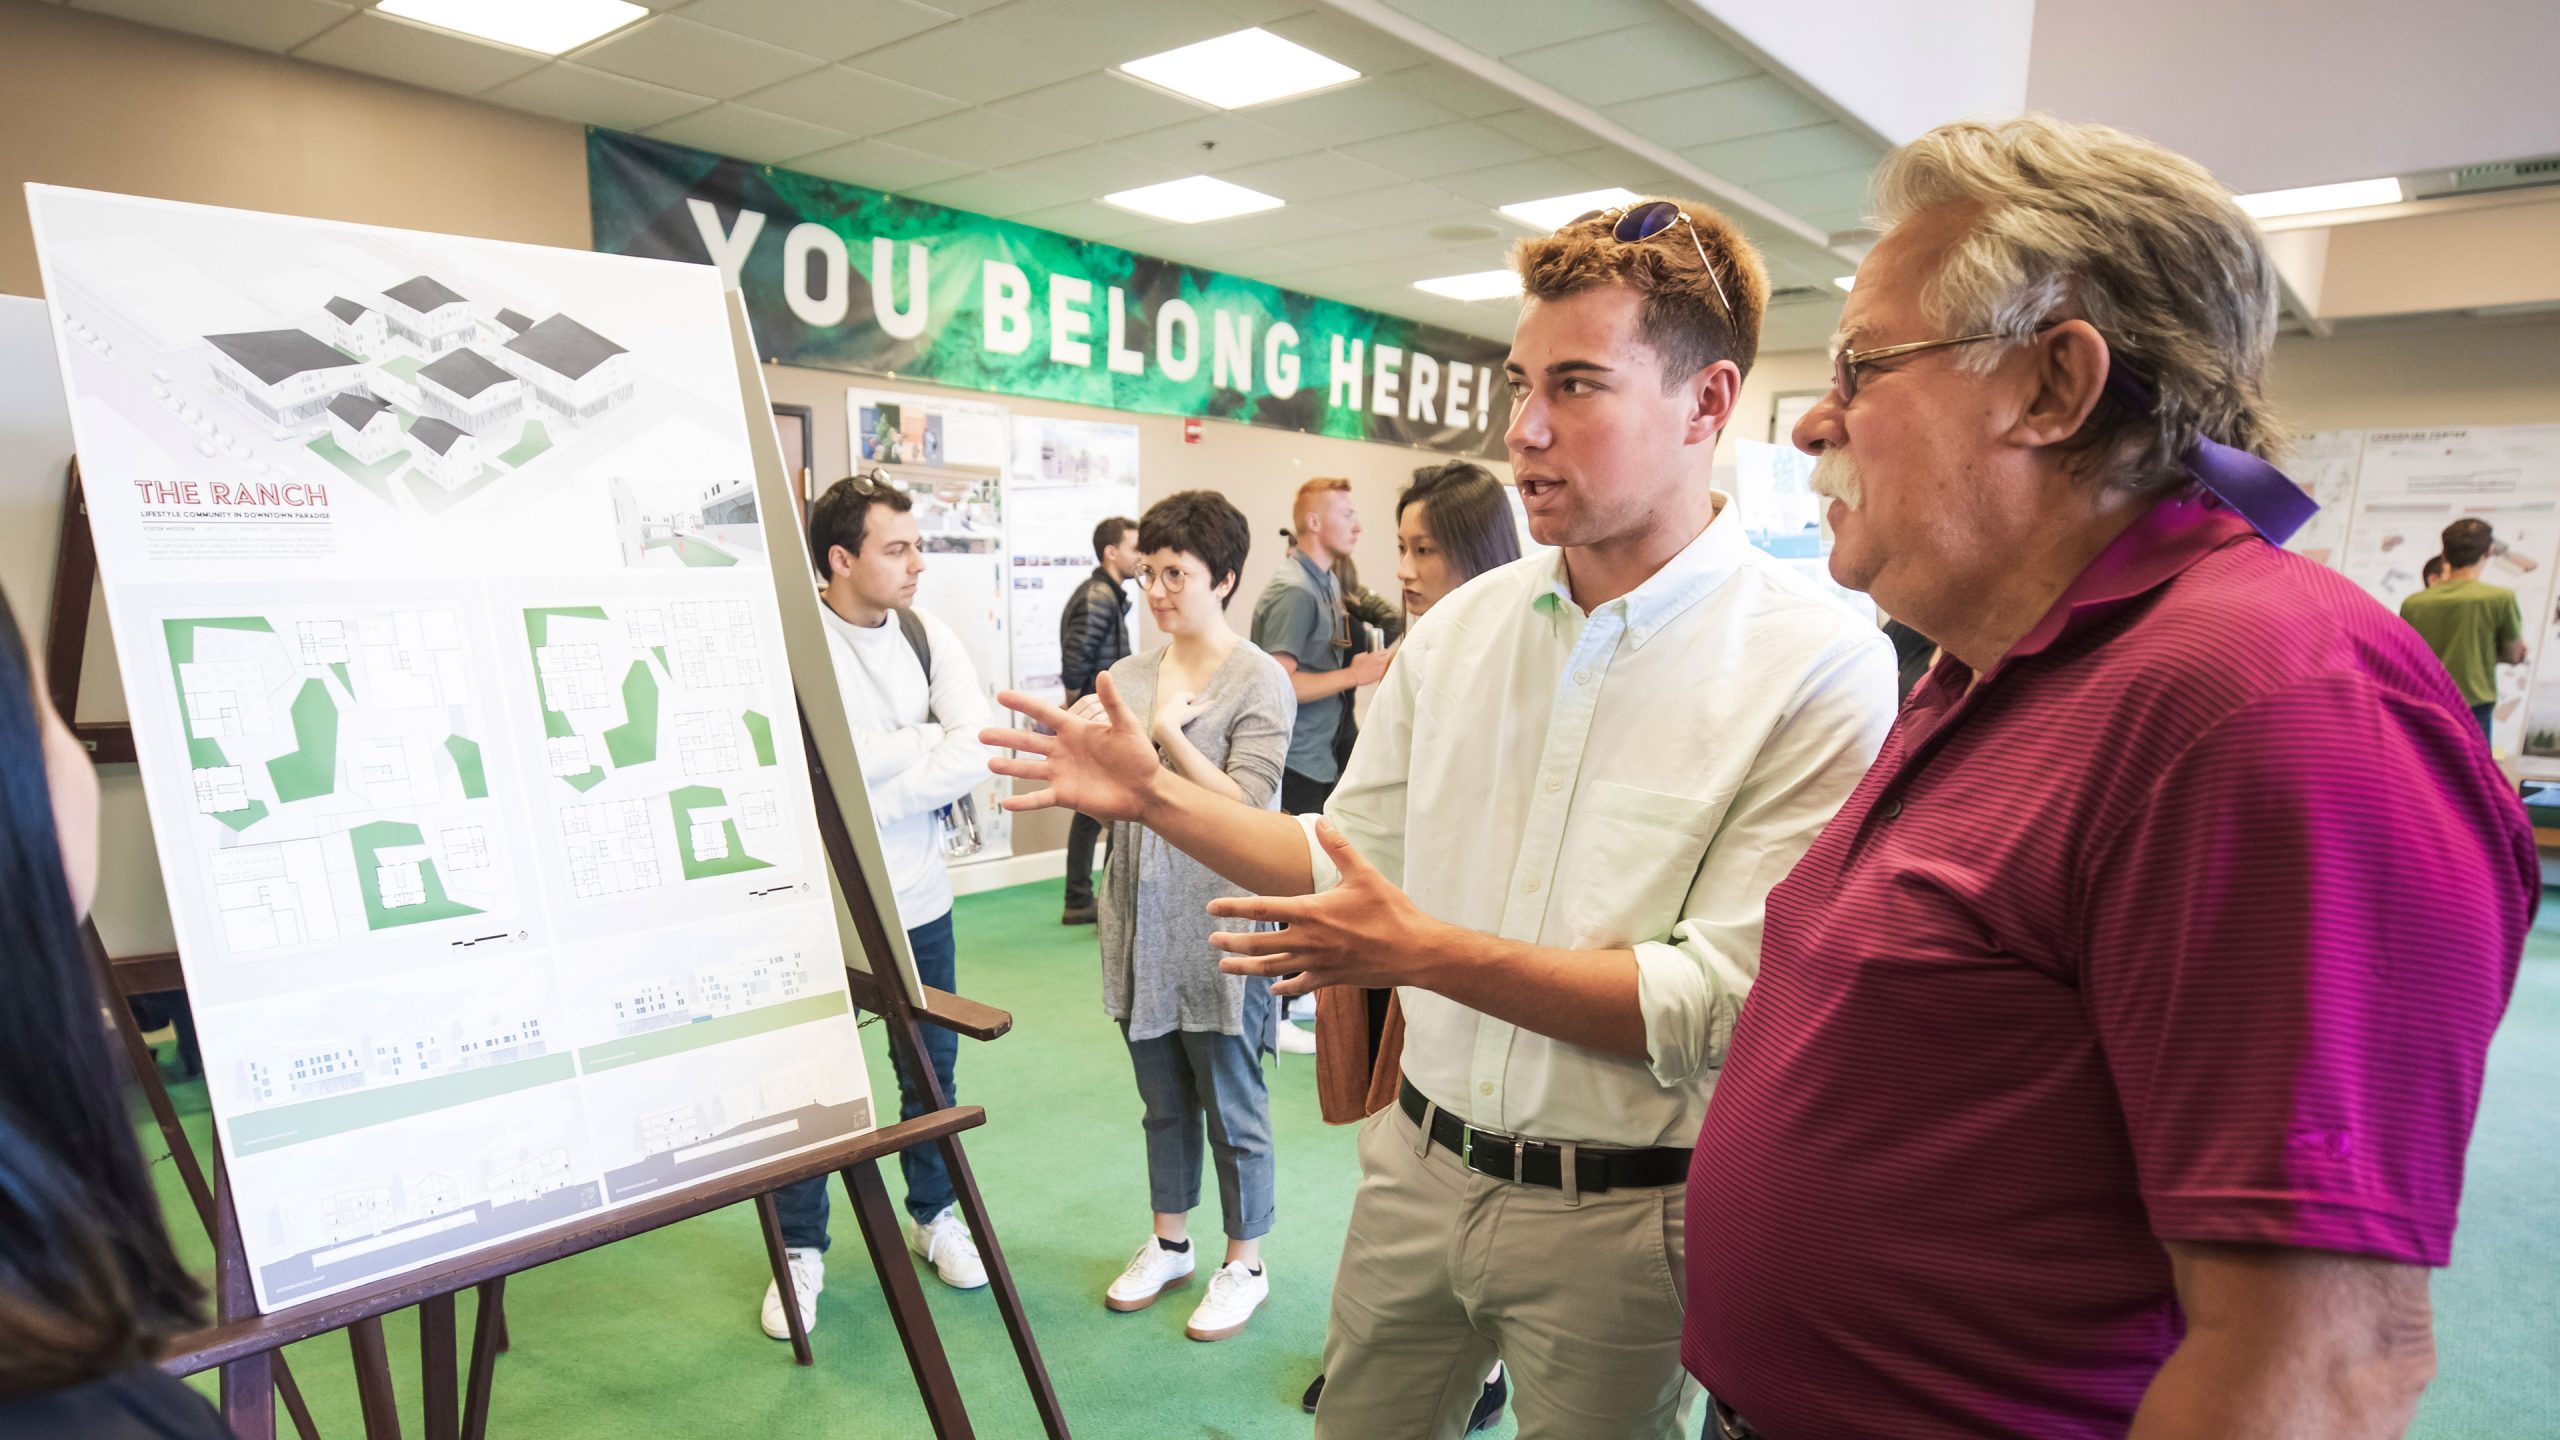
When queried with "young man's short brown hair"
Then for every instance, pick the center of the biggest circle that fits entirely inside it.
(1683, 320)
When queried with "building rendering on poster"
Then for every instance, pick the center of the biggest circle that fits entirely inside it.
(457, 679)
(1067, 477)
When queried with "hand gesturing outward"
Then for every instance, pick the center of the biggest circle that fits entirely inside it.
(1364, 931)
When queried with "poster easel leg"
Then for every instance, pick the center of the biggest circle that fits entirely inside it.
(486, 1324)
(439, 1381)
(885, 1238)
(769, 1219)
(374, 1396)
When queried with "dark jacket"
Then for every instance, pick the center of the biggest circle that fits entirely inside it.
(1093, 632)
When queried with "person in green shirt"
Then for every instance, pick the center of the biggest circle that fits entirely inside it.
(2474, 627)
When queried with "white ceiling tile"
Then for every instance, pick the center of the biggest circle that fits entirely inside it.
(1313, 176)
(573, 92)
(745, 134)
(1725, 111)
(1216, 142)
(398, 50)
(1545, 133)
(829, 31)
(681, 55)
(1809, 150)
(277, 25)
(1258, 12)
(982, 139)
(1101, 106)
(1641, 60)
(1831, 191)
(1090, 219)
(1402, 202)
(1441, 150)
(1030, 43)
(879, 165)
(1050, 181)
(1286, 227)
(1347, 42)
(1453, 90)
(1504, 27)
(1367, 245)
(1532, 179)
(851, 101)
(967, 7)
(1362, 111)
(972, 61)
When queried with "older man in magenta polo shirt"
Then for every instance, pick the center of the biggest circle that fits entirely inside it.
(2111, 1062)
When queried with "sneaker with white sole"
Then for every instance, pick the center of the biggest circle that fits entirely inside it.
(946, 1244)
(808, 1277)
(1235, 1292)
(1296, 1039)
(1152, 1271)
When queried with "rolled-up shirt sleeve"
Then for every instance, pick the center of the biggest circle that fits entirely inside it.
(1691, 984)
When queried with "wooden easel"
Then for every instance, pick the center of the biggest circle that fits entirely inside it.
(244, 1344)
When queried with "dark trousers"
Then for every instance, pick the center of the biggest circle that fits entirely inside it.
(2486, 714)
(1082, 832)
(1300, 795)
(804, 1205)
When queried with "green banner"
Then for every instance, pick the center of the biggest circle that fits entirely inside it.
(845, 278)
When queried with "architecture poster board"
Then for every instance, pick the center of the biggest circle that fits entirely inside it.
(455, 667)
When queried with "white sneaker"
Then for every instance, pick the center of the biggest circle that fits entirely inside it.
(808, 1277)
(1235, 1292)
(1296, 1039)
(1152, 1271)
(945, 1243)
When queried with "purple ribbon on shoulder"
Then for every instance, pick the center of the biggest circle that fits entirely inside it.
(2254, 489)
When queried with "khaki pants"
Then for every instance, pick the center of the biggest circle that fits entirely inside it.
(1445, 1269)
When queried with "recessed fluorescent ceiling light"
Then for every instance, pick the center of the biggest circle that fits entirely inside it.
(547, 26)
(1845, 281)
(1557, 211)
(1245, 68)
(2315, 199)
(1482, 285)
(1192, 200)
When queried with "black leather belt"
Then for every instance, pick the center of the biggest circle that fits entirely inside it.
(1541, 1162)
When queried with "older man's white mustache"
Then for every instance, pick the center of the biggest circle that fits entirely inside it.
(1835, 477)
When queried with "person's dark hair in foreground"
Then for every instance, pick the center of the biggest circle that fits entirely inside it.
(90, 1289)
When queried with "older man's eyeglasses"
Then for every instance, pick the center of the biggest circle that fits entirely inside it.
(1643, 222)
(1845, 364)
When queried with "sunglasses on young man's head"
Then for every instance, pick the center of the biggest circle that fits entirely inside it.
(1643, 222)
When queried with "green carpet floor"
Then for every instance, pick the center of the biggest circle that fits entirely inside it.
(657, 1336)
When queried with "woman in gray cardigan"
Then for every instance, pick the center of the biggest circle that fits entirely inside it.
(1219, 711)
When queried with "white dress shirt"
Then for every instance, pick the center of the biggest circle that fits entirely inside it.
(918, 745)
(1638, 777)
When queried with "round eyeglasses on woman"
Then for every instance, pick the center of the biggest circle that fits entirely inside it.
(1173, 576)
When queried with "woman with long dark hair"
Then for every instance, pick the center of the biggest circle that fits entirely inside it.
(90, 1290)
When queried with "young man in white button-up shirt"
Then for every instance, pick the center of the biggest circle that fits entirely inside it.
(1576, 786)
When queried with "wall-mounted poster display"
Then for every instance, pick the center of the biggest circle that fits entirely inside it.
(950, 455)
(1773, 491)
(456, 674)
(1068, 476)
(2412, 483)
(2325, 466)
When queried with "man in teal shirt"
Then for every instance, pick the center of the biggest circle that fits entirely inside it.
(2473, 627)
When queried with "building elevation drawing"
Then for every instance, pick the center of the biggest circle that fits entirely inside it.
(455, 667)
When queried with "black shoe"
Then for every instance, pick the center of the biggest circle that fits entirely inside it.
(1077, 915)
(1488, 1411)
(1315, 1392)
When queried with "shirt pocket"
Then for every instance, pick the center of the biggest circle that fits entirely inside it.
(1640, 851)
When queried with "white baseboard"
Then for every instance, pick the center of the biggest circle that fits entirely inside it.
(986, 875)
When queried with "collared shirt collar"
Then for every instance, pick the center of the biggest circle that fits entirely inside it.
(1686, 578)
(1322, 577)
(2176, 532)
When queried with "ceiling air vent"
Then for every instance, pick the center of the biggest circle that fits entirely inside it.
(2481, 179)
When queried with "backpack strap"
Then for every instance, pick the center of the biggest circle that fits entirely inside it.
(911, 625)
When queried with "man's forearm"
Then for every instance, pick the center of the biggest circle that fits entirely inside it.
(1587, 997)
(1262, 850)
(1311, 685)
(2284, 1343)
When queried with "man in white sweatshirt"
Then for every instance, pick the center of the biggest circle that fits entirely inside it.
(916, 708)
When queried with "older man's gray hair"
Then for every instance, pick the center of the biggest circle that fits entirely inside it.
(2089, 222)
